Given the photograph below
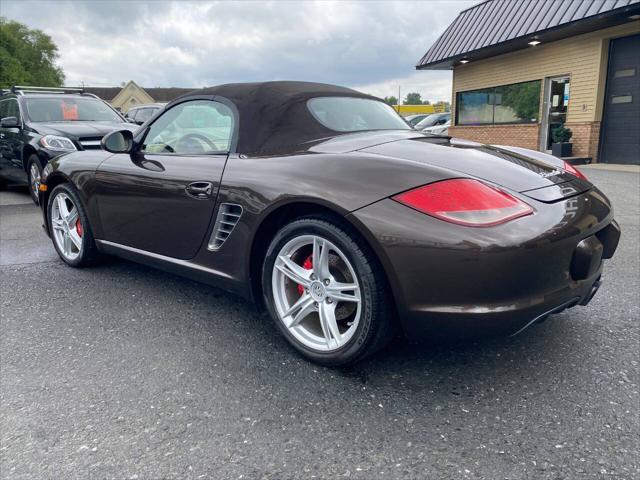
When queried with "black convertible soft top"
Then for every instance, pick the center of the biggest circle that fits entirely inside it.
(274, 117)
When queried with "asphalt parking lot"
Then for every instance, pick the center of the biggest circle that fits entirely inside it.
(121, 371)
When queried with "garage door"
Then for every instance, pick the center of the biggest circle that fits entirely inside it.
(620, 137)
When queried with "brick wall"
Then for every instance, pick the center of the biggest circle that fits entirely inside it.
(585, 139)
(516, 135)
(586, 136)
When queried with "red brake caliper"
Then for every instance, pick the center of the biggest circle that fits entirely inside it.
(79, 227)
(307, 265)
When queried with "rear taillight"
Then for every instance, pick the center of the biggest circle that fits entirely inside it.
(574, 171)
(466, 202)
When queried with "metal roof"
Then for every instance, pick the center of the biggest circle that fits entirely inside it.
(497, 26)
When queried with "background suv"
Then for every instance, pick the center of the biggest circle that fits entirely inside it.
(38, 124)
(142, 113)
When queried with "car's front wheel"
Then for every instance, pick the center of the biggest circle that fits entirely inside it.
(69, 227)
(327, 292)
(34, 174)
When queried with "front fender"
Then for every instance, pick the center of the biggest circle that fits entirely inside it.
(78, 169)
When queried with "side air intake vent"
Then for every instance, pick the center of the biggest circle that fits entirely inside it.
(228, 216)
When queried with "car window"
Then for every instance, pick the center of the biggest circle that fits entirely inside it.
(347, 114)
(195, 127)
(131, 114)
(145, 114)
(432, 120)
(9, 108)
(428, 121)
(69, 109)
(4, 107)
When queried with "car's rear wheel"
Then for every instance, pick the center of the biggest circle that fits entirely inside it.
(34, 174)
(327, 292)
(69, 227)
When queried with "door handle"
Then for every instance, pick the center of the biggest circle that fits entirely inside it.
(200, 190)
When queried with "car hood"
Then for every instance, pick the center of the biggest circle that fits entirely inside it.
(514, 168)
(81, 129)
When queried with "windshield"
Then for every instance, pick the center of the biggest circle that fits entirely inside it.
(70, 109)
(431, 120)
(346, 114)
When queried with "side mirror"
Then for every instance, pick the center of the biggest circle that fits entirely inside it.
(120, 141)
(9, 122)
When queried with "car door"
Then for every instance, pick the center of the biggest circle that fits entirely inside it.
(5, 151)
(161, 197)
(11, 143)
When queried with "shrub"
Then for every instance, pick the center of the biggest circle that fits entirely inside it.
(561, 134)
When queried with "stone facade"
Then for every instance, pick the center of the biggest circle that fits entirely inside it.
(517, 135)
(585, 139)
(586, 136)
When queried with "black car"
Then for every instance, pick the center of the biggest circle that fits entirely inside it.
(142, 113)
(38, 124)
(323, 205)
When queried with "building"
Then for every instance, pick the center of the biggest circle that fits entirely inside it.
(521, 69)
(406, 110)
(123, 98)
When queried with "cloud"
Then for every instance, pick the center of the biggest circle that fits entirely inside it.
(369, 45)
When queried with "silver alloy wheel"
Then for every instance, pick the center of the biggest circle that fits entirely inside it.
(34, 179)
(64, 226)
(320, 306)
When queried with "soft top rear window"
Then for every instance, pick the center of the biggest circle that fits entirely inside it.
(348, 114)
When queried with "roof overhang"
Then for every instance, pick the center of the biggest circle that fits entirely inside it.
(604, 20)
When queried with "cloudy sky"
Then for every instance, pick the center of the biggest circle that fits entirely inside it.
(372, 46)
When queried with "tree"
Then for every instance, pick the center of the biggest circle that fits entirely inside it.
(27, 57)
(523, 99)
(391, 100)
(413, 98)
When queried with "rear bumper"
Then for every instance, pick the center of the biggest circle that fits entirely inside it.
(496, 319)
(458, 281)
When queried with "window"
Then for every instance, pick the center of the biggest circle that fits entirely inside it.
(131, 115)
(195, 127)
(348, 114)
(625, 72)
(433, 119)
(144, 114)
(621, 99)
(516, 103)
(67, 109)
(9, 108)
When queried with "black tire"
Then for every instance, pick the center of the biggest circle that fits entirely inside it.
(377, 323)
(34, 161)
(88, 254)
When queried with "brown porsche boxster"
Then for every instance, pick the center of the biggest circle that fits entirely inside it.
(323, 205)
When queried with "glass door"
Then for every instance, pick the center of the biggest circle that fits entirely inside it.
(556, 103)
